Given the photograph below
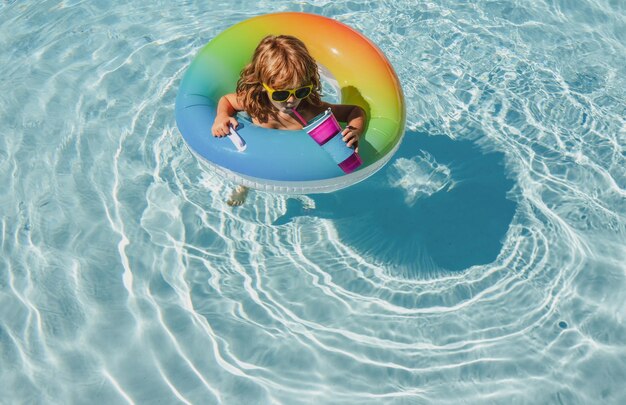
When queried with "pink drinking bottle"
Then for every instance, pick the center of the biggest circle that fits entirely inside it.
(325, 130)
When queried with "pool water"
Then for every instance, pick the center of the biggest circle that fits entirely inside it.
(483, 264)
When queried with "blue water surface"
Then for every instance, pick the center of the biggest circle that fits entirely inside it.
(483, 264)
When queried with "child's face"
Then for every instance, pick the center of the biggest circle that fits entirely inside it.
(285, 106)
(292, 102)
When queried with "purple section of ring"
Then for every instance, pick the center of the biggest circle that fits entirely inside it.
(325, 130)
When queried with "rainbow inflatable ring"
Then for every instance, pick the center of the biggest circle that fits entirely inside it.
(282, 161)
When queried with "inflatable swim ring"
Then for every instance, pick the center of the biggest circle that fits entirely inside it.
(284, 161)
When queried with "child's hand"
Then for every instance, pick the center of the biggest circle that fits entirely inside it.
(351, 136)
(221, 125)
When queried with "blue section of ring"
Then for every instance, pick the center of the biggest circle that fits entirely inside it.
(270, 154)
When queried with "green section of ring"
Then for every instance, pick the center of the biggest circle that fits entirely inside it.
(363, 73)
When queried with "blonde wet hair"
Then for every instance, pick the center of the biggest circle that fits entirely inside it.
(281, 62)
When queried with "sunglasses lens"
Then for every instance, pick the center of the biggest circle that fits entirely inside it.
(303, 92)
(280, 95)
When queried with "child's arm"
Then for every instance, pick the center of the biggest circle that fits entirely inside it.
(227, 107)
(354, 117)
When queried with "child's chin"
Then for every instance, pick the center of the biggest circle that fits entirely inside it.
(286, 108)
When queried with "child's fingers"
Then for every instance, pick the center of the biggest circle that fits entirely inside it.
(346, 134)
(232, 121)
(349, 133)
(349, 136)
(220, 131)
(224, 129)
(216, 129)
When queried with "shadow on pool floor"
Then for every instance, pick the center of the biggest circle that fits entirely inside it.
(450, 230)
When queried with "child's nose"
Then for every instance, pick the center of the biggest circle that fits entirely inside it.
(291, 98)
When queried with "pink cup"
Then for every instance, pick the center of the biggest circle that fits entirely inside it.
(326, 131)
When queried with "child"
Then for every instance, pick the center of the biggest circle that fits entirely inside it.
(282, 77)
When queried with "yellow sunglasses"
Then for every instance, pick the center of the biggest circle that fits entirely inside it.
(283, 95)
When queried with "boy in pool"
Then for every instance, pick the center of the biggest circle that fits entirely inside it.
(281, 78)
